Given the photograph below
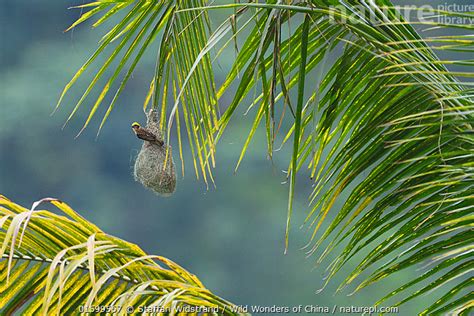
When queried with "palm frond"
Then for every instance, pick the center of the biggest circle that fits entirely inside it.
(393, 132)
(64, 264)
(183, 68)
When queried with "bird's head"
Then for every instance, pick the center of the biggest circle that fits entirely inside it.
(135, 126)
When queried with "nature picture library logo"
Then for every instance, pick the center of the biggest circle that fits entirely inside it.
(456, 13)
(442, 14)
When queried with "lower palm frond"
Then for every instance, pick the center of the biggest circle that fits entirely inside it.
(64, 264)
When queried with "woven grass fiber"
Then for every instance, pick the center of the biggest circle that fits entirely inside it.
(150, 167)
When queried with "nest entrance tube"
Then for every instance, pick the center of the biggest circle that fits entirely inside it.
(154, 166)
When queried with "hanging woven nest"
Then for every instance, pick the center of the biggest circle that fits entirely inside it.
(154, 166)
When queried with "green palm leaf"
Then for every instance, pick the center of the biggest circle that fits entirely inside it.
(386, 129)
(62, 263)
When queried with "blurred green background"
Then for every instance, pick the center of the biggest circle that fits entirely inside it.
(231, 236)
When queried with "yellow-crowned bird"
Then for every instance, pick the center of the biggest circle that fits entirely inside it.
(145, 134)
